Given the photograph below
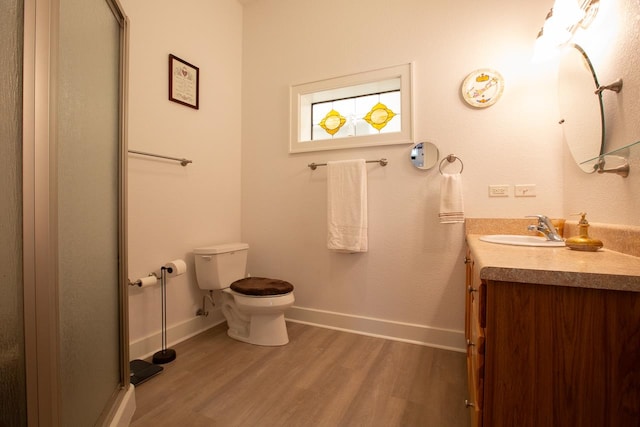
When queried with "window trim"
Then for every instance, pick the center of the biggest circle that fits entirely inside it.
(301, 98)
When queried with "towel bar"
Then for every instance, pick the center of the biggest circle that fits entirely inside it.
(383, 162)
(183, 162)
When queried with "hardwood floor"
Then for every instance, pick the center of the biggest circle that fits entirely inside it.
(322, 377)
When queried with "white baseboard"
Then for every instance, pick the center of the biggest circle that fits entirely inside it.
(126, 408)
(147, 346)
(407, 332)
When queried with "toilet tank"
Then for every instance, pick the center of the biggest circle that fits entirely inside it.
(220, 265)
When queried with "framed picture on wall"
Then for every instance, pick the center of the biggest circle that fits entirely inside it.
(184, 82)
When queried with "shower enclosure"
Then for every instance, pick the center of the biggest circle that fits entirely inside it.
(63, 326)
(12, 361)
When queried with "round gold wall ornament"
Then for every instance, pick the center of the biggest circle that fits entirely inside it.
(482, 88)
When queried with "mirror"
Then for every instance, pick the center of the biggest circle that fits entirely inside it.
(424, 155)
(580, 107)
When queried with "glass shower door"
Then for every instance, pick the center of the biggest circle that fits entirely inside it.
(73, 213)
(88, 171)
(12, 355)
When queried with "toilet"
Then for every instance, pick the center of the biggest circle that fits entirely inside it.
(253, 306)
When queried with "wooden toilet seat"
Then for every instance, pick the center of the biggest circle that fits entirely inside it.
(261, 286)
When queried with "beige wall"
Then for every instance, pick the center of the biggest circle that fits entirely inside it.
(249, 56)
(173, 209)
(613, 44)
(413, 273)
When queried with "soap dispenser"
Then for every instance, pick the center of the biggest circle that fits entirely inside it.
(583, 242)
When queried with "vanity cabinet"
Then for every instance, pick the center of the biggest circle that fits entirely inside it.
(551, 355)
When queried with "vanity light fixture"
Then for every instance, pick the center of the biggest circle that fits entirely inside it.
(561, 23)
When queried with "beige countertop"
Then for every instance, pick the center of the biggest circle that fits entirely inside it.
(604, 269)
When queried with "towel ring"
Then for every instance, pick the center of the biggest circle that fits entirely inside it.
(451, 158)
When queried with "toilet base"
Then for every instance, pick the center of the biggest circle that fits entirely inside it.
(264, 330)
(256, 320)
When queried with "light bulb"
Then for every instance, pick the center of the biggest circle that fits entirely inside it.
(555, 31)
(544, 48)
(567, 13)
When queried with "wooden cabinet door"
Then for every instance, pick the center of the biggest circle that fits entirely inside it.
(468, 284)
(474, 335)
(561, 356)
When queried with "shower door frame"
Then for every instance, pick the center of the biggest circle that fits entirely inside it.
(41, 324)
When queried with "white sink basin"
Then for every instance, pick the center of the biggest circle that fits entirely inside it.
(518, 240)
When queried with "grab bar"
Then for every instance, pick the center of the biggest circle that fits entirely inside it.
(383, 162)
(183, 162)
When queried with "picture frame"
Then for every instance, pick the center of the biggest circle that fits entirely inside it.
(184, 82)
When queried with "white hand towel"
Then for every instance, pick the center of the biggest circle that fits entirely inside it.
(347, 206)
(451, 205)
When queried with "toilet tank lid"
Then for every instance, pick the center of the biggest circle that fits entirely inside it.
(221, 249)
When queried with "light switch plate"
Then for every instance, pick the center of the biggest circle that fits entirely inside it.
(525, 190)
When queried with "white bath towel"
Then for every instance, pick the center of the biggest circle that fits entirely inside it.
(347, 206)
(451, 204)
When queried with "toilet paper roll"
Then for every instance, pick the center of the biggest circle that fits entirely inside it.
(146, 281)
(175, 268)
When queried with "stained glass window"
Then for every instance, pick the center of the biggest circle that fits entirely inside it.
(357, 110)
(356, 116)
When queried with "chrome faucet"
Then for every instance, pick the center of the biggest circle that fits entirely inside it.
(545, 227)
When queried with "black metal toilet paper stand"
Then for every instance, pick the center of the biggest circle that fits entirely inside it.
(165, 355)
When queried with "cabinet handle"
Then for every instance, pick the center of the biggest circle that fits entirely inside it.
(468, 404)
(471, 289)
(470, 343)
(467, 260)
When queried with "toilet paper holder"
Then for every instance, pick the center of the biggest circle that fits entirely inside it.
(151, 279)
(165, 355)
(173, 268)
